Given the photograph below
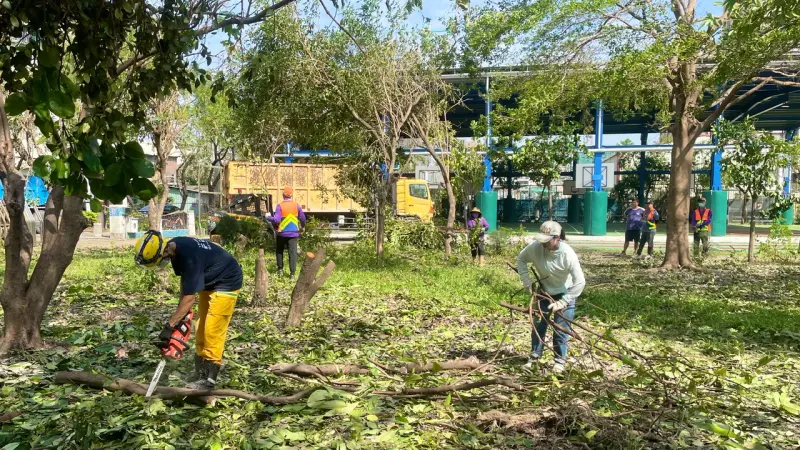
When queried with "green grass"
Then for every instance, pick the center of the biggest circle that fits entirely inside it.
(727, 342)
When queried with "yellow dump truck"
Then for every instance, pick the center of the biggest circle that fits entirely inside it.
(316, 190)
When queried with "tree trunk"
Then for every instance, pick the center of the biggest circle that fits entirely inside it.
(451, 197)
(539, 208)
(677, 252)
(215, 171)
(308, 283)
(752, 241)
(550, 200)
(24, 300)
(184, 196)
(181, 179)
(451, 215)
(744, 210)
(157, 203)
(380, 220)
(262, 279)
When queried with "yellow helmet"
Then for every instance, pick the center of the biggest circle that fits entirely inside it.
(149, 249)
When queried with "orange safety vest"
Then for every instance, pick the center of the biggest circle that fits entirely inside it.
(651, 223)
(697, 219)
(289, 219)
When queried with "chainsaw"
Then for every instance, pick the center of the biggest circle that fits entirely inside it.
(177, 344)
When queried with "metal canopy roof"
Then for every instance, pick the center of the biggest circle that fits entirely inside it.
(774, 107)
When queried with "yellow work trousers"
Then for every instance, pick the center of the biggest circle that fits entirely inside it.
(216, 309)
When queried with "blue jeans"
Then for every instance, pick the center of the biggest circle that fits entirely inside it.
(560, 338)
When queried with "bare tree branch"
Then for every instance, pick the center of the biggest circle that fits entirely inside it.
(778, 82)
(338, 24)
(727, 100)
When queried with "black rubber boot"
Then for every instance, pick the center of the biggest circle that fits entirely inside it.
(199, 370)
(211, 375)
(209, 380)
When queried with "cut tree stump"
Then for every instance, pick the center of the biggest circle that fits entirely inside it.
(308, 283)
(262, 279)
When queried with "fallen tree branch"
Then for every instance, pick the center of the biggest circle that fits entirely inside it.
(131, 387)
(454, 364)
(455, 387)
(97, 381)
(512, 267)
(313, 371)
(514, 307)
(325, 370)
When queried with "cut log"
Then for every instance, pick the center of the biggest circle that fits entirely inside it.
(261, 279)
(308, 283)
(96, 381)
(131, 387)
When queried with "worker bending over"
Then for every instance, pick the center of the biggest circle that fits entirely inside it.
(207, 271)
(562, 277)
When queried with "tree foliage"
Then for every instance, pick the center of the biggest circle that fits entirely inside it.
(357, 89)
(753, 161)
(542, 157)
(659, 60)
(628, 185)
(468, 170)
(86, 71)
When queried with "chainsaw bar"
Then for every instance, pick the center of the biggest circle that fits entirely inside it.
(156, 377)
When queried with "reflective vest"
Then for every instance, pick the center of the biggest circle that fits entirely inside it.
(697, 219)
(651, 220)
(289, 219)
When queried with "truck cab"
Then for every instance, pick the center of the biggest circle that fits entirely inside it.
(412, 198)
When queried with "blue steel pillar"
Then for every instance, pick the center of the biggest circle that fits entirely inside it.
(486, 200)
(642, 170)
(788, 215)
(596, 202)
(716, 197)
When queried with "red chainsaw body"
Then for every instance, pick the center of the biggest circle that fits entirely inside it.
(179, 341)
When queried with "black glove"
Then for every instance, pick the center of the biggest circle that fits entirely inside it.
(164, 336)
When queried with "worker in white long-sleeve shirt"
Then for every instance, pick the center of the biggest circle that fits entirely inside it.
(562, 277)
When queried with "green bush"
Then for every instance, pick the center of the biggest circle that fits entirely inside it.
(91, 216)
(505, 242)
(230, 226)
(779, 247)
(227, 228)
(404, 234)
(316, 234)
